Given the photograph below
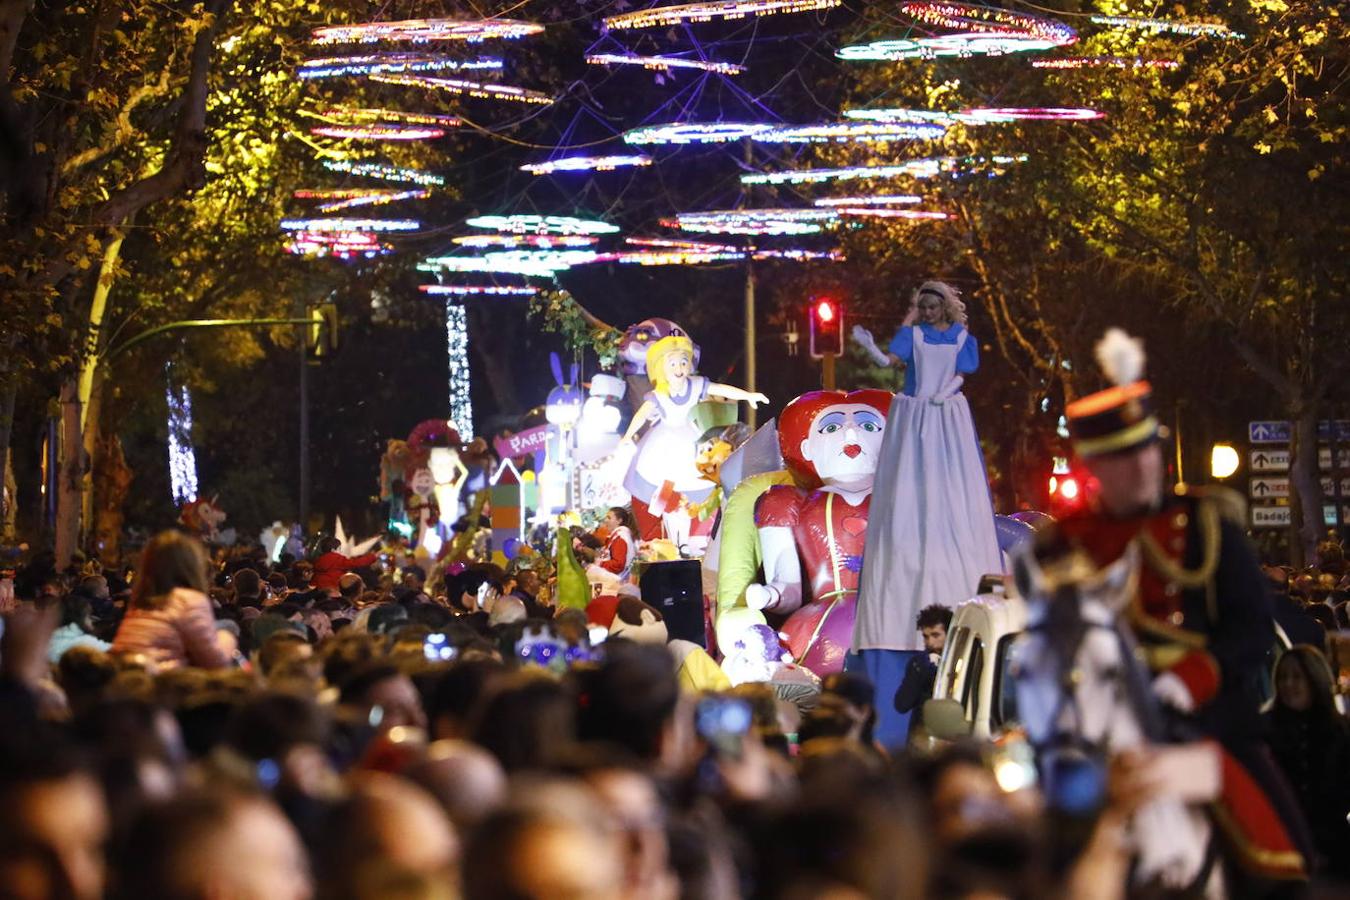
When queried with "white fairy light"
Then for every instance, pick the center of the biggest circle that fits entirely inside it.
(457, 359)
(182, 457)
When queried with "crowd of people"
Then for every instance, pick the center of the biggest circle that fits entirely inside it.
(196, 728)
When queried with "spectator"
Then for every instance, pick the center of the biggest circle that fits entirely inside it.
(921, 673)
(330, 565)
(170, 619)
(76, 626)
(247, 588)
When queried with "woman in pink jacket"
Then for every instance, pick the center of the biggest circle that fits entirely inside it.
(169, 618)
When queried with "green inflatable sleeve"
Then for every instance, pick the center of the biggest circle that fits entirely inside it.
(738, 560)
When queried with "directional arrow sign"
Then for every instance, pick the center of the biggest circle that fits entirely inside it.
(1341, 427)
(1270, 516)
(1324, 458)
(1270, 459)
(1266, 488)
(1275, 432)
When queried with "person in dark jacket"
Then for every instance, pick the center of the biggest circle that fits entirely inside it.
(917, 685)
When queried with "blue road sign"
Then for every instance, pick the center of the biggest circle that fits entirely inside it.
(1275, 432)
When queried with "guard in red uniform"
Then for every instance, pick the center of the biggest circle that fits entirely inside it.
(1201, 613)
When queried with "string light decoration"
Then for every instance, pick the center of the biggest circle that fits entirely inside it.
(753, 221)
(707, 12)
(530, 263)
(182, 455)
(674, 251)
(479, 89)
(532, 224)
(900, 114)
(533, 241)
(346, 116)
(340, 193)
(881, 212)
(479, 290)
(681, 244)
(383, 172)
(969, 18)
(1043, 113)
(852, 132)
(339, 244)
(1165, 26)
(871, 200)
(457, 362)
(343, 224)
(929, 167)
(958, 45)
(694, 133)
(1104, 62)
(588, 163)
(800, 255)
(391, 64)
(663, 63)
(384, 197)
(418, 31)
(379, 132)
(676, 257)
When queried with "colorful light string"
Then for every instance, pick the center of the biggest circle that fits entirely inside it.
(341, 245)
(1034, 113)
(383, 172)
(479, 89)
(391, 64)
(947, 45)
(694, 132)
(753, 221)
(535, 224)
(359, 115)
(882, 212)
(1165, 26)
(379, 132)
(929, 167)
(707, 12)
(418, 31)
(344, 224)
(373, 200)
(479, 290)
(457, 364)
(529, 263)
(1104, 62)
(533, 241)
(871, 200)
(852, 132)
(969, 18)
(588, 164)
(663, 63)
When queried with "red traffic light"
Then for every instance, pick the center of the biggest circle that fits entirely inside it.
(827, 327)
(825, 311)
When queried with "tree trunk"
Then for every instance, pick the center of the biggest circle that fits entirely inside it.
(1305, 497)
(111, 484)
(493, 344)
(71, 473)
(9, 501)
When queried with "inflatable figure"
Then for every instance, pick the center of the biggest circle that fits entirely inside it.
(664, 464)
(203, 518)
(639, 338)
(831, 441)
(393, 472)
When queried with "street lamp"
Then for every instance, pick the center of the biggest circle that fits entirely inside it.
(1223, 461)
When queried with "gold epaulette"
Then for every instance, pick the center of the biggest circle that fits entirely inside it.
(1230, 504)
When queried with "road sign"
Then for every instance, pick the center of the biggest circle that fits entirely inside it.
(1270, 516)
(1269, 486)
(1324, 458)
(1270, 459)
(1329, 487)
(1340, 426)
(1274, 432)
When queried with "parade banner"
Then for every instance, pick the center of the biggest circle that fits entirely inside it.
(522, 443)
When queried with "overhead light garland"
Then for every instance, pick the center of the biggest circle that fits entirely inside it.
(379, 132)
(343, 224)
(753, 221)
(900, 114)
(373, 200)
(383, 172)
(588, 164)
(694, 133)
(424, 30)
(882, 212)
(707, 12)
(479, 89)
(533, 224)
(1104, 62)
(969, 18)
(663, 63)
(929, 167)
(681, 244)
(479, 290)
(871, 200)
(675, 251)
(852, 132)
(457, 363)
(531, 263)
(1165, 26)
(676, 257)
(346, 115)
(390, 64)
(343, 245)
(959, 45)
(1046, 113)
(533, 241)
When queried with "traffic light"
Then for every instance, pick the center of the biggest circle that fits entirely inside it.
(827, 327)
(322, 337)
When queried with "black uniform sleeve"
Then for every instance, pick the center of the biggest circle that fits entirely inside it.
(917, 685)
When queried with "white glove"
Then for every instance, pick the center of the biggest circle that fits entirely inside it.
(1172, 691)
(761, 596)
(948, 390)
(869, 343)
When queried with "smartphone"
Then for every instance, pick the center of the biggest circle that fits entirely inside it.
(723, 722)
(437, 647)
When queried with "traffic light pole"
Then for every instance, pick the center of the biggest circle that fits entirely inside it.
(751, 416)
(827, 371)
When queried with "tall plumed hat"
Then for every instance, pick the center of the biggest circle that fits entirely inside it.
(1120, 418)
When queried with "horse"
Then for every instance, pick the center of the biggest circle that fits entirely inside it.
(1083, 695)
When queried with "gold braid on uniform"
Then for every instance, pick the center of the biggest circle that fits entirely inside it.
(1211, 538)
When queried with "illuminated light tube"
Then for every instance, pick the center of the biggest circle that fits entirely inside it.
(341, 224)
(470, 31)
(378, 132)
(1104, 62)
(680, 244)
(707, 12)
(373, 200)
(391, 64)
(872, 212)
(663, 63)
(344, 245)
(383, 172)
(532, 224)
(533, 241)
(588, 164)
(666, 251)
(350, 238)
(479, 89)
(753, 221)
(340, 193)
(800, 255)
(897, 114)
(929, 167)
(532, 263)
(1034, 113)
(852, 132)
(345, 115)
(457, 363)
(871, 200)
(182, 456)
(960, 45)
(969, 18)
(1165, 26)
(479, 290)
(694, 133)
(675, 257)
